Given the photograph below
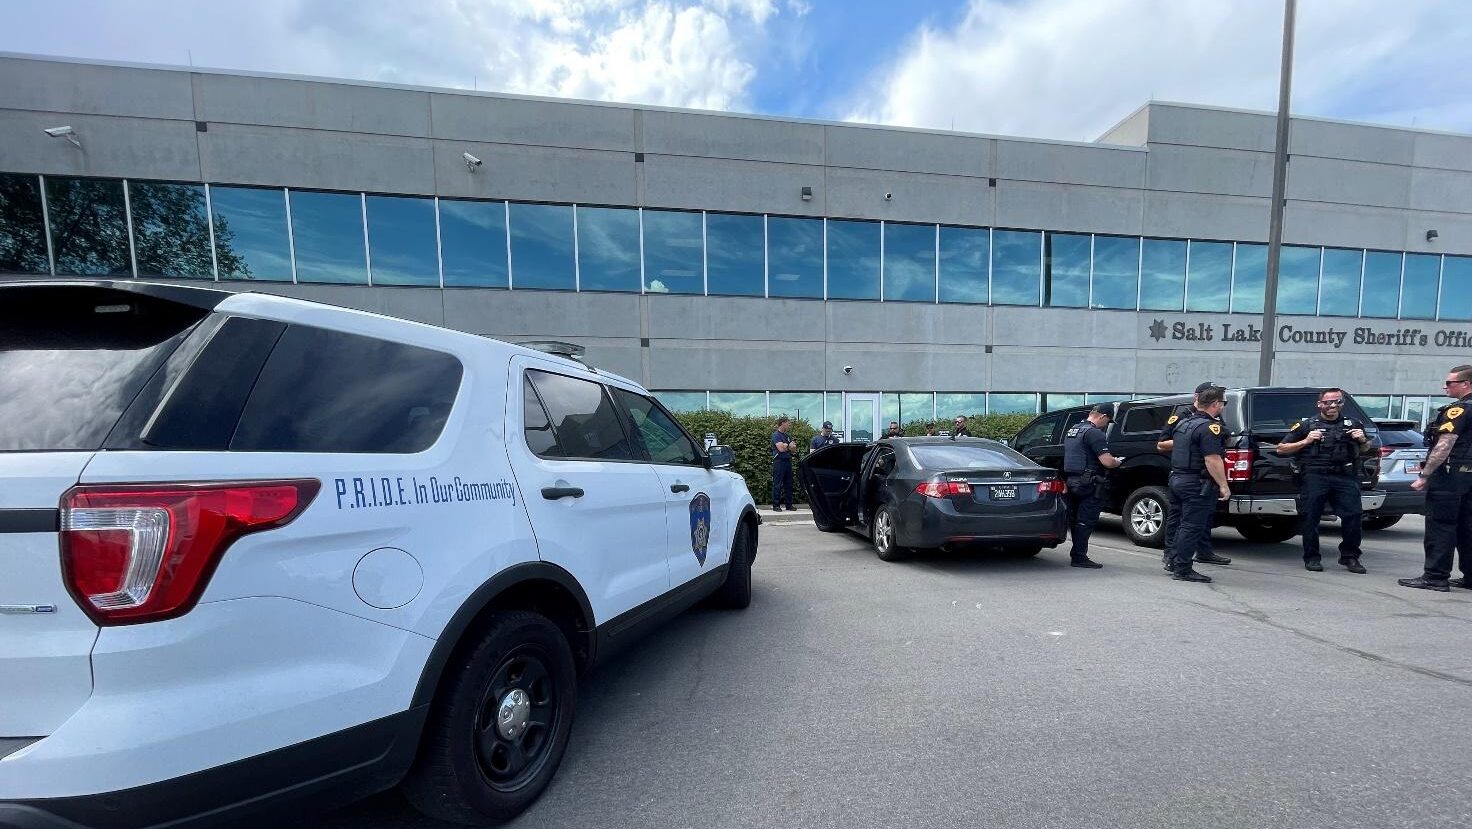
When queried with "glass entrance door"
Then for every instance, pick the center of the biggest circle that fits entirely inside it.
(861, 416)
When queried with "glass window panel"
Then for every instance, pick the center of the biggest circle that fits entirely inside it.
(798, 405)
(853, 260)
(1249, 279)
(795, 257)
(907, 408)
(1017, 265)
(327, 229)
(583, 417)
(1418, 287)
(1011, 403)
(22, 228)
(674, 255)
(682, 401)
(1415, 409)
(608, 249)
(1067, 284)
(661, 438)
(734, 254)
(909, 262)
(1209, 276)
(472, 243)
(1374, 405)
(171, 230)
(1298, 280)
(1382, 284)
(1456, 288)
(401, 243)
(1116, 271)
(88, 232)
(964, 256)
(739, 403)
(541, 247)
(1053, 402)
(1163, 275)
(250, 233)
(948, 406)
(1339, 288)
(834, 410)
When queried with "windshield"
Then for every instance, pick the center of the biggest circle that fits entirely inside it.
(964, 456)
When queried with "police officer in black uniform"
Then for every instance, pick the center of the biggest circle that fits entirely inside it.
(1204, 553)
(823, 438)
(1198, 479)
(1446, 477)
(1085, 457)
(1330, 446)
(781, 444)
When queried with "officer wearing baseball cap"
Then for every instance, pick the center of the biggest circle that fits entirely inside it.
(1178, 419)
(823, 438)
(1085, 457)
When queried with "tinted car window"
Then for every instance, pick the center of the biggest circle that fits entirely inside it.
(1040, 432)
(327, 391)
(969, 456)
(664, 441)
(583, 418)
(1279, 411)
(1144, 419)
(536, 426)
(73, 358)
(1400, 435)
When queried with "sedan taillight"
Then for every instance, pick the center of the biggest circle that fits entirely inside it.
(144, 553)
(943, 489)
(1054, 487)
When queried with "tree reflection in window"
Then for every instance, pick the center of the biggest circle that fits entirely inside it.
(171, 232)
(88, 233)
(22, 230)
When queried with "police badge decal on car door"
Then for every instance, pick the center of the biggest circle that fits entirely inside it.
(700, 525)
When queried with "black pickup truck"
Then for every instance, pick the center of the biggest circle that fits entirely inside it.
(1264, 502)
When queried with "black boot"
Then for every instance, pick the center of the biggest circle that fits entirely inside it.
(1187, 574)
(1423, 583)
(1212, 558)
(1464, 583)
(1314, 564)
(1085, 562)
(1352, 564)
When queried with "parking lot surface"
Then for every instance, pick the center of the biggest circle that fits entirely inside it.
(975, 690)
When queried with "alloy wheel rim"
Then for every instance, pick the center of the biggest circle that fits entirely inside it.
(1147, 516)
(882, 530)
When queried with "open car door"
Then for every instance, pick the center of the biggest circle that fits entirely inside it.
(828, 478)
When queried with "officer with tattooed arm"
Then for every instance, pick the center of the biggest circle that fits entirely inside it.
(1446, 477)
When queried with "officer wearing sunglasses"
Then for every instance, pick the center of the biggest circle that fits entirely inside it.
(1446, 477)
(1330, 446)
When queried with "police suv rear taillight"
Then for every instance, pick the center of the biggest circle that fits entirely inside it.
(1239, 464)
(145, 553)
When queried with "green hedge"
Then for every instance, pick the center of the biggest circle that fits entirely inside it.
(750, 440)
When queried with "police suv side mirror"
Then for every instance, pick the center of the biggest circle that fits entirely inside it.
(720, 457)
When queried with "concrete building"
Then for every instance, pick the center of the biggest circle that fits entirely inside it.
(852, 272)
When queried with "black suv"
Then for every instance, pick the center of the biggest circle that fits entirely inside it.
(1264, 502)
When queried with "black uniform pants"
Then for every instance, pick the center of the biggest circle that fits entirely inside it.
(1343, 491)
(1173, 528)
(1084, 501)
(1197, 499)
(782, 482)
(1448, 522)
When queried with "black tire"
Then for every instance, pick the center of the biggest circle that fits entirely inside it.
(1144, 514)
(1380, 522)
(884, 533)
(1267, 530)
(1024, 552)
(735, 592)
(469, 769)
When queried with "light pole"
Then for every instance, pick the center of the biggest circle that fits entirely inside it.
(1275, 212)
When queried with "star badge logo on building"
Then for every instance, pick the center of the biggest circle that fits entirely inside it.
(1157, 330)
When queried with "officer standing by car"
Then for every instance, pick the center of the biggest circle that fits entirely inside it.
(958, 428)
(1197, 473)
(782, 466)
(894, 430)
(1330, 446)
(1085, 457)
(823, 438)
(1446, 477)
(1204, 553)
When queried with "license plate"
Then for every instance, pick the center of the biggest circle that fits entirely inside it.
(1413, 467)
(1004, 493)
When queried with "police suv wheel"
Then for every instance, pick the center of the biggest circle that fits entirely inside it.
(499, 725)
(735, 591)
(1144, 516)
(1267, 530)
(885, 531)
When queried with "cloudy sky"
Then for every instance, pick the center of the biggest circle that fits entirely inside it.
(1066, 69)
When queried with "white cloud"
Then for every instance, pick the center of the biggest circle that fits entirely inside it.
(1072, 68)
(695, 53)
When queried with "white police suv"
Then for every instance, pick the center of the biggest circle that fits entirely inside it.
(255, 549)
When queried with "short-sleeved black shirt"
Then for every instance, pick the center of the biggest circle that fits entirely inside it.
(1176, 421)
(1082, 447)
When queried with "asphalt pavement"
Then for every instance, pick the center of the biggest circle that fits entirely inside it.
(993, 691)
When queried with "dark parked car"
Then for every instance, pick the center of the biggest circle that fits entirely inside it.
(1264, 484)
(1402, 451)
(935, 493)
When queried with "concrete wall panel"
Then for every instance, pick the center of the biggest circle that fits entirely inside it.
(234, 154)
(1355, 142)
(113, 147)
(725, 136)
(1316, 223)
(1448, 152)
(489, 119)
(1062, 207)
(909, 151)
(917, 197)
(279, 102)
(739, 186)
(1442, 190)
(1190, 215)
(736, 366)
(903, 322)
(536, 173)
(542, 314)
(907, 368)
(1018, 326)
(1133, 131)
(1454, 233)
(1070, 163)
(1201, 127)
(56, 86)
(1348, 182)
(1210, 170)
(735, 318)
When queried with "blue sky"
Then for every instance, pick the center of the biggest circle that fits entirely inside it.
(1063, 69)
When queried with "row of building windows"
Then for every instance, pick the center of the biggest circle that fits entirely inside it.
(77, 226)
(908, 407)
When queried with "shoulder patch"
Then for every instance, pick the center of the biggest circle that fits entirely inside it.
(1454, 412)
(1295, 425)
(1172, 419)
(1447, 427)
(1216, 428)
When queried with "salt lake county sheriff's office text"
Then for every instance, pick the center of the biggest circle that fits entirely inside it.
(1330, 336)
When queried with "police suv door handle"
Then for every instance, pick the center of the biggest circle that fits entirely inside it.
(679, 487)
(553, 493)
